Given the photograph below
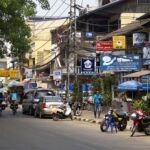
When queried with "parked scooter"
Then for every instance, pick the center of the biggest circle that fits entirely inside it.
(118, 120)
(62, 112)
(141, 122)
(14, 107)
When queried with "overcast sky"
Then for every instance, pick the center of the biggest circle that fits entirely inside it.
(60, 8)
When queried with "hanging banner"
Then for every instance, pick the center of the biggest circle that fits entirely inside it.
(119, 42)
(139, 39)
(120, 63)
(146, 55)
(88, 65)
(103, 46)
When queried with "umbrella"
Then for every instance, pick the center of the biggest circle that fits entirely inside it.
(130, 86)
(14, 83)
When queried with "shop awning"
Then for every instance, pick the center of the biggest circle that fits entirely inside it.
(127, 29)
(137, 74)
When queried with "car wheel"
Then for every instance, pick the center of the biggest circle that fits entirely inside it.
(23, 111)
(35, 114)
(30, 111)
(40, 115)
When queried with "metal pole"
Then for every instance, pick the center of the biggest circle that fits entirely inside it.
(74, 40)
(69, 50)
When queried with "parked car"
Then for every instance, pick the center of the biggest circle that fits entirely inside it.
(31, 98)
(46, 104)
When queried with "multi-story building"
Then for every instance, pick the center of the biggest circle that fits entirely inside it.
(41, 43)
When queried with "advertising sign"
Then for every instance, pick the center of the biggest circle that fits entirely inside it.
(120, 63)
(139, 39)
(89, 35)
(88, 65)
(146, 55)
(9, 73)
(104, 46)
(13, 73)
(145, 80)
(57, 75)
(119, 42)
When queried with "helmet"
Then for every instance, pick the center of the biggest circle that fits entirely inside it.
(134, 116)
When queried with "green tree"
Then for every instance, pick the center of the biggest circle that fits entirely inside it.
(13, 27)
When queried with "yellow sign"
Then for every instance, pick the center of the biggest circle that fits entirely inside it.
(14, 73)
(119, 42)
(9, 73)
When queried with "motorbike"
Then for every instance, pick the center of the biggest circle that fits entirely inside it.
(141, 122)
(114, 119)
(62, 112)
(77, 110)
(2, 107)
(14, 107)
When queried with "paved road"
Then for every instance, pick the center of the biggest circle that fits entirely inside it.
(27, 133)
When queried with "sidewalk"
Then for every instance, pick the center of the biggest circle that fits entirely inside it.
(88, 116)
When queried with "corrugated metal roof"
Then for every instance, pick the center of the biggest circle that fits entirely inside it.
(137, 74)
(127, 29)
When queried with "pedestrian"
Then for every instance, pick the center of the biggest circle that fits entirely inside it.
(97, 103)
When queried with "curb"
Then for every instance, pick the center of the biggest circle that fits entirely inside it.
(93, 121)
(85, 120)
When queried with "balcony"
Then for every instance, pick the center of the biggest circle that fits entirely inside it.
(79, 71)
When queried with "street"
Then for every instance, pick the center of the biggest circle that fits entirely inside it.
(28, 133)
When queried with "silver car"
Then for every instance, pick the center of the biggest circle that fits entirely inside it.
(46, 104)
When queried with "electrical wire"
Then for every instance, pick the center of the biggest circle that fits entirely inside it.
(49, 39)
(47, 27)
(65, 2)
(48, 12)
(81, 2)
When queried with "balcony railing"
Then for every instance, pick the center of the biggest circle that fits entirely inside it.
(79, 71)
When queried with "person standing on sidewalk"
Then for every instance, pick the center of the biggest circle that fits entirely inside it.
(97, 103)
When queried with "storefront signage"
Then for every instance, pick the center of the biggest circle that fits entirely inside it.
(145, 80)
(146, 55)
(88, 65)
(9, 73)
(119, 42)
(57, 75)
(89, 35)
(104, 46)
(139, 39)
(120, 63)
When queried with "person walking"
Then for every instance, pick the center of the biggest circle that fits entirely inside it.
(97, 104)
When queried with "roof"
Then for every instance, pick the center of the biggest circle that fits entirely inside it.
(127, 29)
(137, 74)
(38, 18)
(104, 7)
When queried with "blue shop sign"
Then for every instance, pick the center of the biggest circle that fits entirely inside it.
(146, 55)
(109, 62)
(145, 80)
(88, 65)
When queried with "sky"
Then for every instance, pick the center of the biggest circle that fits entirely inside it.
(60, 8)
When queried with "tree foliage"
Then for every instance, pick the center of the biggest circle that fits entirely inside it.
(13, 27)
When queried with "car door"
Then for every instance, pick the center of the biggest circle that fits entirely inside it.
(39, 105)
(29, 101)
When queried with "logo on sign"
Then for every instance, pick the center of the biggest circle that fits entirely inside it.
(88, 64)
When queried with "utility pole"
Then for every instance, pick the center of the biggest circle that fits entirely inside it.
(72, 42)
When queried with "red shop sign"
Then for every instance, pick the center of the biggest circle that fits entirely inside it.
(103, 46)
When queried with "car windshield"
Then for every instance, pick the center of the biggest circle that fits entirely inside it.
(53, 99)
(43, 93)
